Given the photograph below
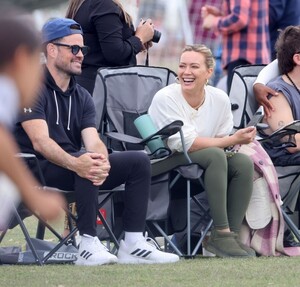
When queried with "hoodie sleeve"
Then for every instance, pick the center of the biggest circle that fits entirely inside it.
(36, 111)
(89, 113)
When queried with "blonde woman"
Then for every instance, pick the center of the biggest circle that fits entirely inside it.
(109, 32)
(206, 114)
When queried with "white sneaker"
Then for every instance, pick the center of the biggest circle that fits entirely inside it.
(93, 252)
(144, 252)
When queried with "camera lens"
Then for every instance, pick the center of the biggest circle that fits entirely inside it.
(156, 36)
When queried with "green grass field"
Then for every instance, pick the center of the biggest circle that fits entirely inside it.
(263, 271)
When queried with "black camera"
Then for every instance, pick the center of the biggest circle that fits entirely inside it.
(156, 35)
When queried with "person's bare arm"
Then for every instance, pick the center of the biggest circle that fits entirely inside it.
(93, 144)
(242, 136)
(37, 130)
(47, 204)
(261, 91)
(281, 116)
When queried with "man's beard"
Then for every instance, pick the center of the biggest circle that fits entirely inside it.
(67, 70)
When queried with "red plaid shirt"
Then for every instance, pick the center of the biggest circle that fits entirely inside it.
(245, 31)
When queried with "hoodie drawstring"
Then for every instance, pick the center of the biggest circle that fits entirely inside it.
(69, 115)
(57, 110)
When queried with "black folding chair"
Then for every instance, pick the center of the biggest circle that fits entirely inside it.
(120, 96)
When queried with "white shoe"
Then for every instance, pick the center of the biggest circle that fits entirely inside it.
(93, 252)
(144, 252)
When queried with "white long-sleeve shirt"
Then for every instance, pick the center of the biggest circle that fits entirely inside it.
(212, 119)
(268, 73)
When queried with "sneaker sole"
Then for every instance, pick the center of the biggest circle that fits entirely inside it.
(145, 261)
(221, 254)
(79, 262)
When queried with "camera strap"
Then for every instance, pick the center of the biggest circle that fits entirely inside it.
(147, 57)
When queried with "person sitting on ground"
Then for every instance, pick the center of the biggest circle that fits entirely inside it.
(54, 129)
(20, 77)
(206, 114)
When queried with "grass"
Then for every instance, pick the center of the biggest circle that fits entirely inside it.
(263, 271)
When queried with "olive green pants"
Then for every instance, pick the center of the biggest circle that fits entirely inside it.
(228, 182)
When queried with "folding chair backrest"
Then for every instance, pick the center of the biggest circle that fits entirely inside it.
(241, 95)
(122, 94)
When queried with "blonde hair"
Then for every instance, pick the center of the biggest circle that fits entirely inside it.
(206, 52)
(74, 6)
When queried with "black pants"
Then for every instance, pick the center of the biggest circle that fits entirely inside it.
(130, 167)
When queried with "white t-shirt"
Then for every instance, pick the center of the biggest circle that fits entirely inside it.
(9, 102)
(212, 119)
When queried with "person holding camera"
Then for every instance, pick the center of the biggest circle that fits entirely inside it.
(110, 34)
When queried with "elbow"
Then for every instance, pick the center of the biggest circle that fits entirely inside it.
(293, 150)
(37, 146)
(117, 55)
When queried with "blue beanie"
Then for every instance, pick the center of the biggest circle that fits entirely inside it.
(58, 28)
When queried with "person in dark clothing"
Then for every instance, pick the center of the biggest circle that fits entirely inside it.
(282, 13)
(54, 129)
(110, 34)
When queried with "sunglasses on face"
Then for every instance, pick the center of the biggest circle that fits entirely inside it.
(74, 48)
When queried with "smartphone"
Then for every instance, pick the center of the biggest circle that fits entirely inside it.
(257, 117)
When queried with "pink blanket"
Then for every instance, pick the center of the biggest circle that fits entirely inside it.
(267, 241)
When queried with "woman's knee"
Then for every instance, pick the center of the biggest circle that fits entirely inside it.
(242, 163)
(209, 156)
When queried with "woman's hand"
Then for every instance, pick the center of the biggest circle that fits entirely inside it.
(244, 136)
(145, 31)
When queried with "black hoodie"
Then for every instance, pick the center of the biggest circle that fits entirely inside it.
(66, 113)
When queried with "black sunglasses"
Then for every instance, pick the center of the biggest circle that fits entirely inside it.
(74, 48)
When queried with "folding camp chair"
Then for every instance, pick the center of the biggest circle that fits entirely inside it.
(42, 252)
(244, 106)
(120, 96)
(39, 251)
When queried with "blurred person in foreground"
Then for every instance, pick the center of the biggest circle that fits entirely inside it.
(20, 78)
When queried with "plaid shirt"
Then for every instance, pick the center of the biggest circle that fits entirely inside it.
(201, 36)
(245, 31)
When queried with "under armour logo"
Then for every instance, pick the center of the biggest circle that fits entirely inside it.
(27, 110)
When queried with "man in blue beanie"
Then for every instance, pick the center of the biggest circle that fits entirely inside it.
(54, 129)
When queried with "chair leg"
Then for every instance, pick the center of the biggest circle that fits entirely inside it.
(40, 231)
(28, 239)
(59, 245)
(203, 234)
(108, 229)
(188, 203)
(291, 225)
(160, 230)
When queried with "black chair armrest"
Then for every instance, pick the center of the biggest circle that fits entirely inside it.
(283, 137)
(164, 133)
